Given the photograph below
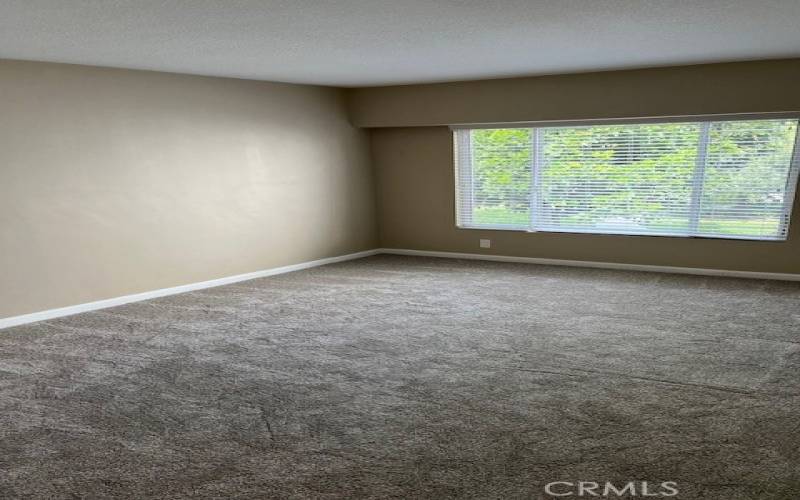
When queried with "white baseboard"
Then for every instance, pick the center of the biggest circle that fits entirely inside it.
(598, 265)
(126, 299)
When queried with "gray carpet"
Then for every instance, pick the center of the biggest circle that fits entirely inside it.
(395, 377)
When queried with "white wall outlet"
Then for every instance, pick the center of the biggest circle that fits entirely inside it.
(486, 243)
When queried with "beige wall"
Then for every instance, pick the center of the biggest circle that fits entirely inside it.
(114, 182)
(416, 210)
(687, 90)
(414, 163)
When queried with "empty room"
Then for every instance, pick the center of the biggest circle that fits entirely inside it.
(524, 249)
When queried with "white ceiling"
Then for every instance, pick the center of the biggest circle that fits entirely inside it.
(374, 42)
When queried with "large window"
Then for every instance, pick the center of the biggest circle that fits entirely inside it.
(728, 178)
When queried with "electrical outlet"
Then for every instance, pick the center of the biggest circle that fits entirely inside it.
(486, 243)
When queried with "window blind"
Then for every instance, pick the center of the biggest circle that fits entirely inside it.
(722, 179)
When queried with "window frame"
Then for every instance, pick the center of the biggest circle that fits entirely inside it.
(792, 180)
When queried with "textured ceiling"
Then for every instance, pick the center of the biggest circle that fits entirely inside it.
(374, 42)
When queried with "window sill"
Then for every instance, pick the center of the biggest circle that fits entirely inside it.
(638, 235)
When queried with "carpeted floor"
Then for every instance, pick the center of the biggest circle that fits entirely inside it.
(400, 377)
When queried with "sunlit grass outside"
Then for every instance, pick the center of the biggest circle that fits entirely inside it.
(763, 226)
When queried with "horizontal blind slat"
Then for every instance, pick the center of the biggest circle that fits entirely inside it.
(630, 179)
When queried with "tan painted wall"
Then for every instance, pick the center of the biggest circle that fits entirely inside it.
(416, 210)
(114, 182)
(414, 161)
(684, 90)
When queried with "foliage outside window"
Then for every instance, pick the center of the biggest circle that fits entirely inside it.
(726, 178)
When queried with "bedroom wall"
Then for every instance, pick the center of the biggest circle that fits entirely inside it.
(115, 182)
(416, 210)
(413, 155)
